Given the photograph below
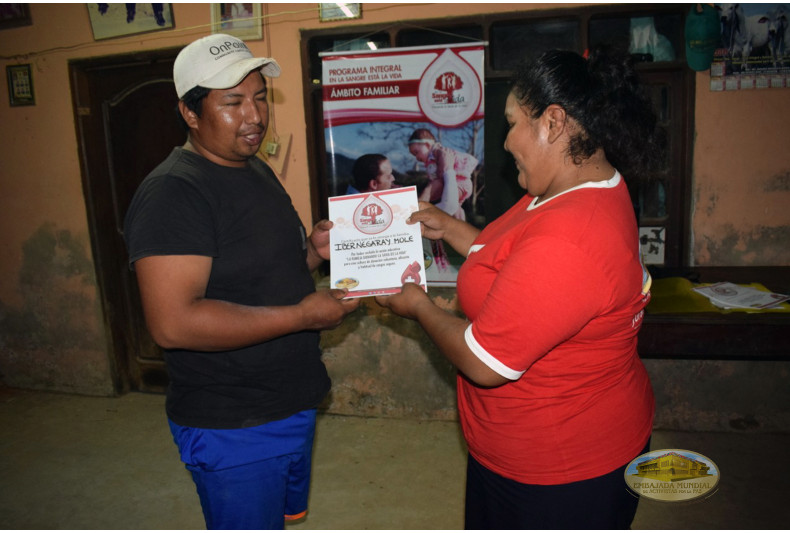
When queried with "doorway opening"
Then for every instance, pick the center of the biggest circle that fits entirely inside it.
(124, 110)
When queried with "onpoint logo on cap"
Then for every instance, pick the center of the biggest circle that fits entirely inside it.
(218, 61)
(227, 47)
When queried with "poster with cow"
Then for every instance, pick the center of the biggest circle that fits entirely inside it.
(413, 116)
(754, 47)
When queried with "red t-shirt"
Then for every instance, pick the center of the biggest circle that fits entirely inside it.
(555, 293)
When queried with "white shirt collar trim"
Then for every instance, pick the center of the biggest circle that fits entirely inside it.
(611, 183)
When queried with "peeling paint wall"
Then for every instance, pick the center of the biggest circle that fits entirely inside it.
(383, 365)
(51, 340)
(747, 245)
(693, 395)
(741, 177)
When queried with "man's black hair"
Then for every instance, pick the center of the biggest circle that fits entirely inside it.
(194, 102)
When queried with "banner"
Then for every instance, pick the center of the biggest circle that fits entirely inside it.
(409, 117)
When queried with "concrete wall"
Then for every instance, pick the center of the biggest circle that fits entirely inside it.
(696, 395)
(741, 177)
(52, 333)
(382, 365)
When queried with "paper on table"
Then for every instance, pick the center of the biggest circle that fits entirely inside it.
(373, 251)
(729, 295)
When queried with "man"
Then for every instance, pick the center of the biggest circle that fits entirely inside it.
(224, 269)
(371, 172)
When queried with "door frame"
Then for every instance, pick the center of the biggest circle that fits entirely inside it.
(119, 315)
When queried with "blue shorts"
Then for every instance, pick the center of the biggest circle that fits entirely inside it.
(250, 478)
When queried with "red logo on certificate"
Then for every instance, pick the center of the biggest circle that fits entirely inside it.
(372, 215)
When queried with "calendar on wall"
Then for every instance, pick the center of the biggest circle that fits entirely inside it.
(20, 85)
(753, 53)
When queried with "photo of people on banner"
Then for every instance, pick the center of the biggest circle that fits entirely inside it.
(409, 116)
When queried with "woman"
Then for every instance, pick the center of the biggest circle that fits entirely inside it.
(553, 399)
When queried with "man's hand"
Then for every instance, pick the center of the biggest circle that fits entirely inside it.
(326, 309)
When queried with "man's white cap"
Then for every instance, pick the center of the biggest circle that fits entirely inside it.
(218, 61)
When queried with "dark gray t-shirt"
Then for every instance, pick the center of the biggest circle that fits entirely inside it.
(244, 220)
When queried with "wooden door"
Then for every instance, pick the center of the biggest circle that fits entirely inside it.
(126, 124)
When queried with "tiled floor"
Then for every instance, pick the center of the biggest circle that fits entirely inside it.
(71, 462)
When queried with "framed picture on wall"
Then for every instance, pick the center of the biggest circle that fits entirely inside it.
(20, 85)
(116, 20)
(240, 20)
(338, 11)
(14, 15)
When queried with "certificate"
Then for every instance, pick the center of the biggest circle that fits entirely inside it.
(373, 251)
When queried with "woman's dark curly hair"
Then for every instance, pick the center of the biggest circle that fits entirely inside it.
(603, 94)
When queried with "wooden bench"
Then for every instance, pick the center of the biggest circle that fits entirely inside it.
(720, 336)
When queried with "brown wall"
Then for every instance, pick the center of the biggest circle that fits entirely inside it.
(741, 177)
(53, 333)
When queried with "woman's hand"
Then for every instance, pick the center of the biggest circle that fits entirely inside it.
(433, 221)
(406, 303)
(445, 330)
(435, 224)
